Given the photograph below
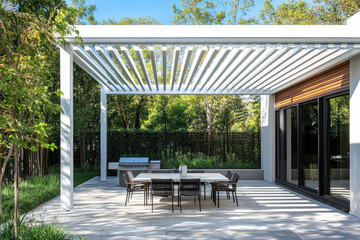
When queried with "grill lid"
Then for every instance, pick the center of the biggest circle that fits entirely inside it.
(134, 161)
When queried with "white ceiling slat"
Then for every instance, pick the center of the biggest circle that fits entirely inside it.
(305, 60)
(277, 63)
(93, 73)
(184, 65)
(251, 78)
(103, 65)
(195, 65)
(208, 60)
(153, 63)
(125, 51)
(321, 66)
(253, 56)
(245, 53)
(264, 56)
(308, 50)
(91, 62)
(163, 53)
(225, 66)
(216, 64)
(116, 55)
(103, 53)
(314, 63)
(174, 66)
(141, 59)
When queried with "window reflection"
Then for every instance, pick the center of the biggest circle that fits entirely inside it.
(338, 147)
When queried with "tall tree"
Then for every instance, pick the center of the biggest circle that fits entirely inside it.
(27, 45)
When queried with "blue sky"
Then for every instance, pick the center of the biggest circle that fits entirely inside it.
(159, 9)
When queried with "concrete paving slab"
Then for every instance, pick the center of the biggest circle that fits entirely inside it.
(265, 211)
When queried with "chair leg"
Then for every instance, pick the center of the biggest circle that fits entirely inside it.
(152, 203)
(144, 196)
(218, 199)
(180, 203)
(126, 199)
(204, 191)
(172, 203)
(200, 203)
(237, 203)
(233, 196)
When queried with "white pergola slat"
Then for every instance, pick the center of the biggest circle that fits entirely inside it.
(227, 69)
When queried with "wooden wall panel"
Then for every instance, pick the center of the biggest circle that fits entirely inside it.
(333, 80)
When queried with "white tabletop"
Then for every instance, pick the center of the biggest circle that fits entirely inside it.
(204, 177)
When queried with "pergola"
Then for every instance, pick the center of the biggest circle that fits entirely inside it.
(226, 60)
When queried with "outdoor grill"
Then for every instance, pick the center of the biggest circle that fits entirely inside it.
(135, 164)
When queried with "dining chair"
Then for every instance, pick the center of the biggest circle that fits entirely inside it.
(230, 186)
(189, 187)
(132, 187)
(162, 188)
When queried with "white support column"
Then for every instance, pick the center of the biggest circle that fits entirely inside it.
(103, 134)
(355, 136)
(268, 137)
(66, 127)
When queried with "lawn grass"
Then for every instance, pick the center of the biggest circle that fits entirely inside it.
(35, 191)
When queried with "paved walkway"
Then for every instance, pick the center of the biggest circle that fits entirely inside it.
(265, 211)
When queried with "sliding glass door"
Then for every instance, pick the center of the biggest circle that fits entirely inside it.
(338, 147)
(309, 145)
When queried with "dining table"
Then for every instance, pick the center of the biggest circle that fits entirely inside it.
(204, 178)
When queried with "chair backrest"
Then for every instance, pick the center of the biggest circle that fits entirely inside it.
(131, 175)
(234, 179)
(127, 180)
(229, 174)
(190, 184)
(162, 187)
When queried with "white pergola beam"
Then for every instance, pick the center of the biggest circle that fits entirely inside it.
(195, 65)
(141, 59)
(116, 55)
(216, 64)
(174, 66)
(103, 134)
(184, 65)
(164, 64)
(215, 34)
(204, 66)
(66, 127)
(103, 53)
(153, 63)
(125, 51)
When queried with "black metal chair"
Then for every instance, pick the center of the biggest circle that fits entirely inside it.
(162, 188)
(189, 187)
(132, 187)
(228, 187)
(228, 175)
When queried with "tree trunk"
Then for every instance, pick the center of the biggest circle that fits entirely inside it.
(138, 112)
(2, 173)
(16, 191)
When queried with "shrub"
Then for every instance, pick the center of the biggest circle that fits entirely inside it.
(30, 229)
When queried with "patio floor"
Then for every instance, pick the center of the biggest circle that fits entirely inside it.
(265, 211)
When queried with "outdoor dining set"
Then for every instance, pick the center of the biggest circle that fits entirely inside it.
(167, 183)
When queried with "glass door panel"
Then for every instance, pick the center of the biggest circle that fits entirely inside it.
(309, 126)
(291, 145)
(338, 147)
